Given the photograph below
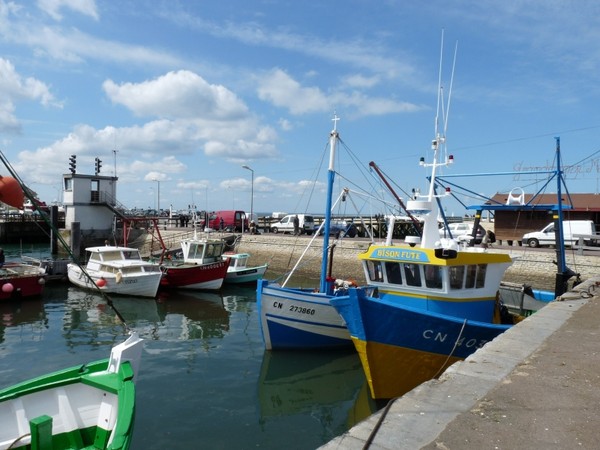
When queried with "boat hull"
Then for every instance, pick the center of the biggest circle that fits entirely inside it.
(299, 319)
(194, 276)
(401, 346)
(88, 407)
(143, 284)
(246, 275)
(21, 281)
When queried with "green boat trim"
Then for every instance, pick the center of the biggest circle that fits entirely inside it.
(91, 406)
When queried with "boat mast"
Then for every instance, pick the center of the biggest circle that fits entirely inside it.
(563, 273)
(333, 137)
(429, 207)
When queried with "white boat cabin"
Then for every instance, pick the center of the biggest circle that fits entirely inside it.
(202, 251)
(123, 260)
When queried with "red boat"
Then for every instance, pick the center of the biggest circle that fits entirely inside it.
(200, 265)
(18, 280)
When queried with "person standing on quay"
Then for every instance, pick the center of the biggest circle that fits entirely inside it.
(296, 225)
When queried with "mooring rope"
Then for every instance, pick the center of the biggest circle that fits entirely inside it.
(386, 410)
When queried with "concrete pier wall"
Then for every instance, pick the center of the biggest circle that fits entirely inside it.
(283, 251)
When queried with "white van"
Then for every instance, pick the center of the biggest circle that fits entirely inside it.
(286, 225)
(571, 230)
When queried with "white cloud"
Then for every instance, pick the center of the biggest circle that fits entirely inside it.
(361, 81)
(181, 94)
(283, 91)
(18, 27)
(15, 88)
(53, 7)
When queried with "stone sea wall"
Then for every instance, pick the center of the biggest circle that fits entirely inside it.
(529, 266)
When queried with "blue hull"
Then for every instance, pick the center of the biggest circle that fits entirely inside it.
(401, 347)
(379, 320)
(299, 319)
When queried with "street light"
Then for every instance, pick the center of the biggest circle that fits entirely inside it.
(158, 196)
(252, 192)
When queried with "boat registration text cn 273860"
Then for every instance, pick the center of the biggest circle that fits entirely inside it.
(295, 309)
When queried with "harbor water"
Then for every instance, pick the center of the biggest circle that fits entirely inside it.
(205, 379)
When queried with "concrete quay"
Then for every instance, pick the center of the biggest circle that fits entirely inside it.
(531, 266)
(537, 386)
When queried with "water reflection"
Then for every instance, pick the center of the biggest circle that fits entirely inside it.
(204, 371)
(329, 386)
(198, 315)
(19, 312)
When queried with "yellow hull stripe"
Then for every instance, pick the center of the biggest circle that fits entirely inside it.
(392, 371)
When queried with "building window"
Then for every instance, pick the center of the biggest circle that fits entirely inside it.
(68, 184)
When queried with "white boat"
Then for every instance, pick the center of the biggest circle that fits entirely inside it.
(116, 270)
(303, 318)
(239, 272)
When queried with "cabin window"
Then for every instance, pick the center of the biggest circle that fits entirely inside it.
(433, 276)
(375, 272)
(471, 273)
(481, 269)
(131, 254)
(112, 256)
(95, 257)
(195, 249)
(412, 274)
(456, 274)
(393, 272)
(214, 250)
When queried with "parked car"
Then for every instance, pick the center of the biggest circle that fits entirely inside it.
(572, 229)
(461, 230)
(340, 228)
(286, 225)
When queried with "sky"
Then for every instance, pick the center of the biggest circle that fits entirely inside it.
(175, 96)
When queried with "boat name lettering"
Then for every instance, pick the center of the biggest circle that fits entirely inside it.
(400, 255)
(278, 305)
(301, 310)
(441, 337)
(129, 281)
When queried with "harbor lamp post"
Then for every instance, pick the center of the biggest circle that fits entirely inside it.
(157, 196)
(251, 192)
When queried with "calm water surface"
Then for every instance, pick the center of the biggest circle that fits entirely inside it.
(205, 378)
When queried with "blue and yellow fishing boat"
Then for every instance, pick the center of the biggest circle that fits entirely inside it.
(436, 299)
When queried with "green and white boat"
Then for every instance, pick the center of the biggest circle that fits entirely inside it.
(91, 406)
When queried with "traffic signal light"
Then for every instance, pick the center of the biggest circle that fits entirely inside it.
(98, 165)
(73, 163)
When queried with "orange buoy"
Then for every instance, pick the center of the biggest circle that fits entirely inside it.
(11, 192)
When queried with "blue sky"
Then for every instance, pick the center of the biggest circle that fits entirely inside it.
(187, 92)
